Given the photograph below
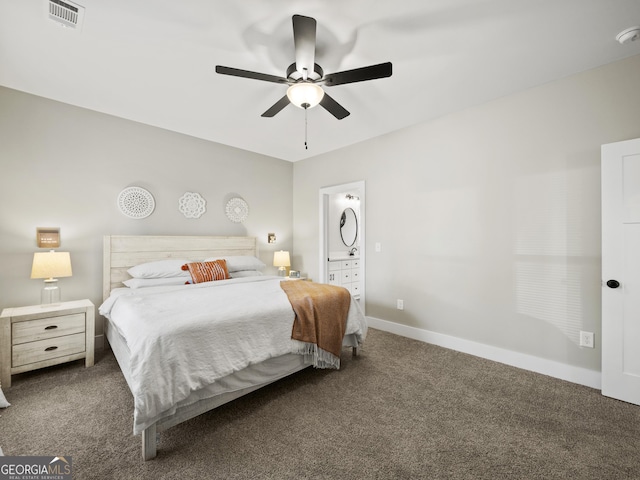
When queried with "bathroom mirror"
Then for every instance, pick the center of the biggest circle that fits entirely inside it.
(348, 227)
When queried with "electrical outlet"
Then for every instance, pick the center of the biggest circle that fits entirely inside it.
(586, 339)
(400, 304)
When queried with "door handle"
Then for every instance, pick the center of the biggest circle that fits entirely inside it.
(613, 283)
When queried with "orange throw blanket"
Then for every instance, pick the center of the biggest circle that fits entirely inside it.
(321, 319)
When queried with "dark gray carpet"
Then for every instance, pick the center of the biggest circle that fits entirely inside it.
(402, 409)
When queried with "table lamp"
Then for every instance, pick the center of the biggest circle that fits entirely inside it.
(281, 260)
(48, 265)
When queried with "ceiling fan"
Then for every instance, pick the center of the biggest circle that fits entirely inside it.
(305, 77)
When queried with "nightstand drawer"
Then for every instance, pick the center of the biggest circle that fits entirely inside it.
(44, 328)
(33, 352)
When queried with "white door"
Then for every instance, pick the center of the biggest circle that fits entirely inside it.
(621, 271)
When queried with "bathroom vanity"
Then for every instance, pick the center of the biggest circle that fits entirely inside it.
(345, 272)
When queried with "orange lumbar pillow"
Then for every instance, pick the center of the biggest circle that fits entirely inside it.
(207, 271)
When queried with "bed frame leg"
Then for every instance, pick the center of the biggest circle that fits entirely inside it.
(355, 351)
(149, 443)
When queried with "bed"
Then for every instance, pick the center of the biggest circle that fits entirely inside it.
(187, 349)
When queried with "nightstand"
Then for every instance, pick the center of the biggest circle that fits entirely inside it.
(43, 335)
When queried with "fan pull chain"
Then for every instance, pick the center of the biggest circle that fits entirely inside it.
(306, 147)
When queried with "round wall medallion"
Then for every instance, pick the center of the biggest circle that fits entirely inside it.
(192, 205)
(237, 210)
(136, 202)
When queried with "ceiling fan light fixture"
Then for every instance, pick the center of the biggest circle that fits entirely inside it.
(305, 94)
(304, 75)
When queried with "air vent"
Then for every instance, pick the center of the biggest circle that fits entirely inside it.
(66, 13)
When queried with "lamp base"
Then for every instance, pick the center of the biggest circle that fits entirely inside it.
(282, 271)
(50, 293)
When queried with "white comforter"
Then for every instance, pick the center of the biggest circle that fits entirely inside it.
(184, 338)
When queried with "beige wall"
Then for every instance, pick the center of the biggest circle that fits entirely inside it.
(62, 166)
(489, 219)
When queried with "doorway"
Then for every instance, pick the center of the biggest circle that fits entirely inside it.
(334, 201)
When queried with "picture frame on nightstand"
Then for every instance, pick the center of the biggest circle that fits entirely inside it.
(294, 274)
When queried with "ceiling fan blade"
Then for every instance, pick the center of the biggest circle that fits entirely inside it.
(304, 39)
(333, 107)
(236, 72)
(279, 105)
(371, 72)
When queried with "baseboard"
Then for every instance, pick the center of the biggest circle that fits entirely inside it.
(581, 376)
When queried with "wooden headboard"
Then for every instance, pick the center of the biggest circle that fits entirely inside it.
(122, 252)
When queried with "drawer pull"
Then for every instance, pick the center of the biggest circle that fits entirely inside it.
(50, 349)
(51, 327)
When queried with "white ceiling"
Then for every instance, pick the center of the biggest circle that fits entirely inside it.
(153, 61)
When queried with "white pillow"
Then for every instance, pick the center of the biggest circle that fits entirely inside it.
(160, 269)
(236, 263)
(246, 273)
(155, 282)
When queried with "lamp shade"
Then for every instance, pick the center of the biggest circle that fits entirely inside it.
(305, 94)
(51, 265)
(281, 259)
